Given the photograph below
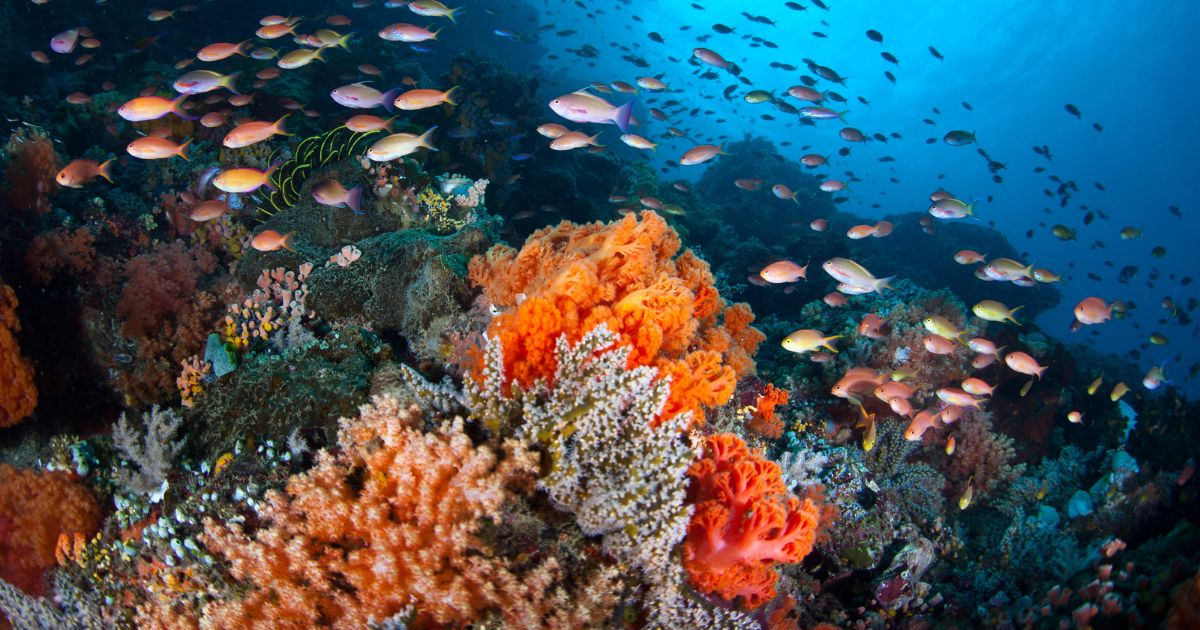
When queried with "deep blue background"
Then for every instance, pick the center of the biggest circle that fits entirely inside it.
(1128, 65)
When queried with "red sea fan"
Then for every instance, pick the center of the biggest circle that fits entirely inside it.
(745, 522)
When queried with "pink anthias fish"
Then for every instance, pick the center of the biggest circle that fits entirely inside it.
(582, 107)
(64, 42)
(363, 96)
(333, 193)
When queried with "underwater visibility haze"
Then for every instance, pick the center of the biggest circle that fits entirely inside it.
(579, 314)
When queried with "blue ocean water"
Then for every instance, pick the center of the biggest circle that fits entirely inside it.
(1017, 64)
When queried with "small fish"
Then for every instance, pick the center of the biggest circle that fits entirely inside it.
(854, 274)
(407, 33)
(363, 96)
(332, 193)
(950, 443)
(994, 311)
(1073, 110)
(1154, 378)
(270, 240)
(152, 148)
(80, 172)
(399, 145)
(299, 58)
(1091, 390)
(1093, 310)
(871, 435)
(432, 8)
(254, 132)
(145, 108)
(783, 272)
(582, 107)
(808, 340)
(574, 140)
(422, 98)
(202, 81)
(243, 180)
(700, 154)
(365, 123)
(552, 130)
(942, 327)
(637, 142)
(1118, 390)
(222, 50)
(208, 210)
(1024, 364)
(964, 501)
(959, 137)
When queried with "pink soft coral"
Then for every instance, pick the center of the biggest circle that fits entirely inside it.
(745, 522)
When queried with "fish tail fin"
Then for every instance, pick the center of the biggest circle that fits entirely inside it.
(243, 44)
(177, 107)
(105, 169)
(435, 34)
(825, 344)
(450, 15)
(426, 139)
(841, 115)
(279, 125)
(286, 241)
(343, 42)
(387, 124)
(183, 150)
(389, 99)
(1040, 371)
(882, 283)
(1014, 312)
(621, 116)
(795, 200)
(230, 82)
(448, 96)
(354, 199)
(592, 140)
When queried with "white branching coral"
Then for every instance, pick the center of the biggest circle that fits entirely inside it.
(153, 452)
(620, 477)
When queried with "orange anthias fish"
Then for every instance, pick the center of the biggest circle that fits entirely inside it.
(152, 148)
(872, 326)
(783, 271)
(208, 210)
(423, 98)
(250, 133)
(364, 123)
(80, 172)
(270, 240)
(242, 180)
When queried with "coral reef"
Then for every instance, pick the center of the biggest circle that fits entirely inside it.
(568, 279)
(36, 508)
(18, 393)
(745, 521)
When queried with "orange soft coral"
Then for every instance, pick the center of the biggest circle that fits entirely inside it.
(745, 522)
(763, 421)
(569, 278)
(392, 521)
(18, 394)
(35, 509)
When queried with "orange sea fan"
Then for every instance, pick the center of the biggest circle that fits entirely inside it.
(569, 278)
